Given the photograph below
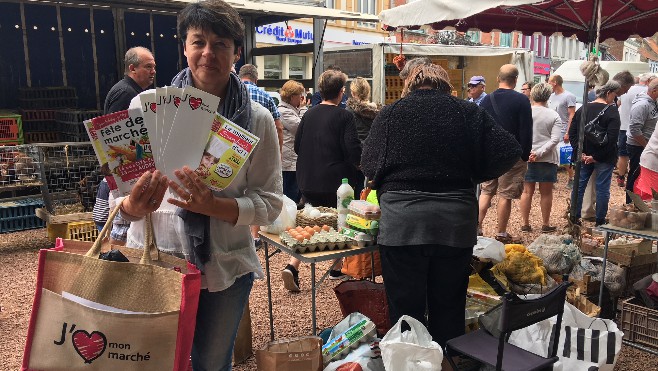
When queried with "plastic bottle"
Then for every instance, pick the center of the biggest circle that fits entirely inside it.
(344, 195)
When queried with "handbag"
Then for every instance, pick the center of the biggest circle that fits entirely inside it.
(594, 132)
(95, 314)
(367, 298)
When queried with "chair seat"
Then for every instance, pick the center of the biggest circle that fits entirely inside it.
(480, 345)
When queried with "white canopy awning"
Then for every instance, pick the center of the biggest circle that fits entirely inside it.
(269, 8)
(423, 12)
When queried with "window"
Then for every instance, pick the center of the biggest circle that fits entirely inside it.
(272, 66)
(506, 39)
(330, 4)
(297, 67)
(474, 36)
(367, 7)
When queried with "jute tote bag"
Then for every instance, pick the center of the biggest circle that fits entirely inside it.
(96, 314)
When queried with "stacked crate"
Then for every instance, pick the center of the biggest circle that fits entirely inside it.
(19, 214)
(71, 124)
(38, 107)
(11, 129)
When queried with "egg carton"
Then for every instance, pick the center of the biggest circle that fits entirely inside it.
(340, 346)
(320, 241)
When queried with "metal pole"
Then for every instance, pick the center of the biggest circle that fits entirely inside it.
(269, 288)
(313, 319)
(606, 237)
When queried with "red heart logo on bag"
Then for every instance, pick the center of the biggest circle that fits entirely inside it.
(177, 101)
(153, 107)
(89, 346)
(195, 103)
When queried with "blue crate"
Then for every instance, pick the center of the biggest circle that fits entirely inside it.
(18, 215)
(20, 223)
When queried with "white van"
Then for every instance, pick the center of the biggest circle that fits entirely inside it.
(574, 81)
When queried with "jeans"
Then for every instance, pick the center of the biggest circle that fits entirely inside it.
(432, 277)
(290, 188)
(634, 153)
(217, 323)
(603, 178)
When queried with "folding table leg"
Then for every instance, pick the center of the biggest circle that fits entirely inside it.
(269, 289)
(314, 332)
(606, 238)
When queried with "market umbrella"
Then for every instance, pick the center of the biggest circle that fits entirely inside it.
(589, 20)
(620, 19)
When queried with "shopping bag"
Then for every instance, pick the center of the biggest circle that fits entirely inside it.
(365, 357)
(93, 314)
(286, 219)
(367, 298)
(297, 354)
(411, 350)
(585, 343)
(565, 153)
(360, 266)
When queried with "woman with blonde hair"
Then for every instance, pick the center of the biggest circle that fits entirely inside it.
(290, 107)
(425, 155)
(360, 106)
(543, 160)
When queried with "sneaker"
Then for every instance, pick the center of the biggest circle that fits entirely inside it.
(570, 184)
(620, 181)
(526, 228)
(290, 277)
(548, 228)
(258, 243)
(336, 274)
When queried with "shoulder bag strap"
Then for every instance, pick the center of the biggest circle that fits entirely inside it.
(495, 106)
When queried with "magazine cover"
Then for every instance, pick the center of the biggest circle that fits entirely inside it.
(228, 148)
(125, 141)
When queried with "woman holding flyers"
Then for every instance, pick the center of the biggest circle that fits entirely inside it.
(212, 34)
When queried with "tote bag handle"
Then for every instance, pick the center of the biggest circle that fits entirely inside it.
(149, 243)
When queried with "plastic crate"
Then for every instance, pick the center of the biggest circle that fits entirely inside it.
(74, 128)
(42, 137)
(77, 116)
(47, 92)
(20, 214)
(37, 114)
(75, 138)
(51, 103)
(82, 231)
(11, 128)
(639, 323)
(42, 126)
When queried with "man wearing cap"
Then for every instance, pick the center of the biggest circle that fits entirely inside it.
(476, 89)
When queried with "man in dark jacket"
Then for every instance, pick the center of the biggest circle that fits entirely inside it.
(139, 75)
(512, 111)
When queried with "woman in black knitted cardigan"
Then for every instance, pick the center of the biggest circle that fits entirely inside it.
(425, 155)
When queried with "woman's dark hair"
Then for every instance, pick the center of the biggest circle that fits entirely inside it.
(212, 15)
(331, 83)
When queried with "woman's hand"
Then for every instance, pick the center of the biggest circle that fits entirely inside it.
(146, 195)
(196, 196)
(588, 159)
(533, 157)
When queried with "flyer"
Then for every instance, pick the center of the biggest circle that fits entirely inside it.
(228, 148)
(124, 139)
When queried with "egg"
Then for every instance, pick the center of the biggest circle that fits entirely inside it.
(306, 235)
(315, 213)
(326, 228)
(299, 228)
(317, 228)
(299, 238)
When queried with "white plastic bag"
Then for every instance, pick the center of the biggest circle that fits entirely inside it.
(285, 219)
(489, 249)
(585, 343)
(411, 350)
